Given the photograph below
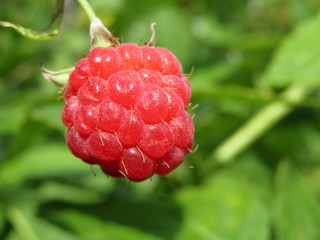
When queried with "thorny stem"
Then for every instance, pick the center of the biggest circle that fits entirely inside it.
(259, 124)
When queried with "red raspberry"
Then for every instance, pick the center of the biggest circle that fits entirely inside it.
(126, 110)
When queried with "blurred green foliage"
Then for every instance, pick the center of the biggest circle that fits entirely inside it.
(248, 58)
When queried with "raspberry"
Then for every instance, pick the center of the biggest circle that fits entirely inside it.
(126, 110)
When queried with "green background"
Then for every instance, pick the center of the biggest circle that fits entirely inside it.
(249, 57)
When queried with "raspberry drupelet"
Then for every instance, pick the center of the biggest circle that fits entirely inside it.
(126, 110)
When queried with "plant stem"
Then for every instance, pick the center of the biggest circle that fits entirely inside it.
(259, 124)
(88, 9)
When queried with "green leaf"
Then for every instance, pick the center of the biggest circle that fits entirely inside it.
(2, 218)
(297, 60)
(297, 212)
(55, 191)
(31, 227)
(21, 222)
(209, 29)
(49, 231)
(224, 210)
(313, 178)
(205, 77)
(47, 33)
(12, 116)
(121, 214)
(90, 227)
(282, 141)
(50, 114)
(41, 161)
(13, 236)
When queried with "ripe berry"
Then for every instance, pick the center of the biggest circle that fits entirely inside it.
(126, 110)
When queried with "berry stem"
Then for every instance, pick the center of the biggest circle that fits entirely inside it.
(88, 9)
(100, 35)
(153, 36)
(260, 123)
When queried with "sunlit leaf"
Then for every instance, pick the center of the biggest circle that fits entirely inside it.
(297, 59)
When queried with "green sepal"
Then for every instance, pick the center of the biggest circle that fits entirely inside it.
(59, 78)
(101, 36)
